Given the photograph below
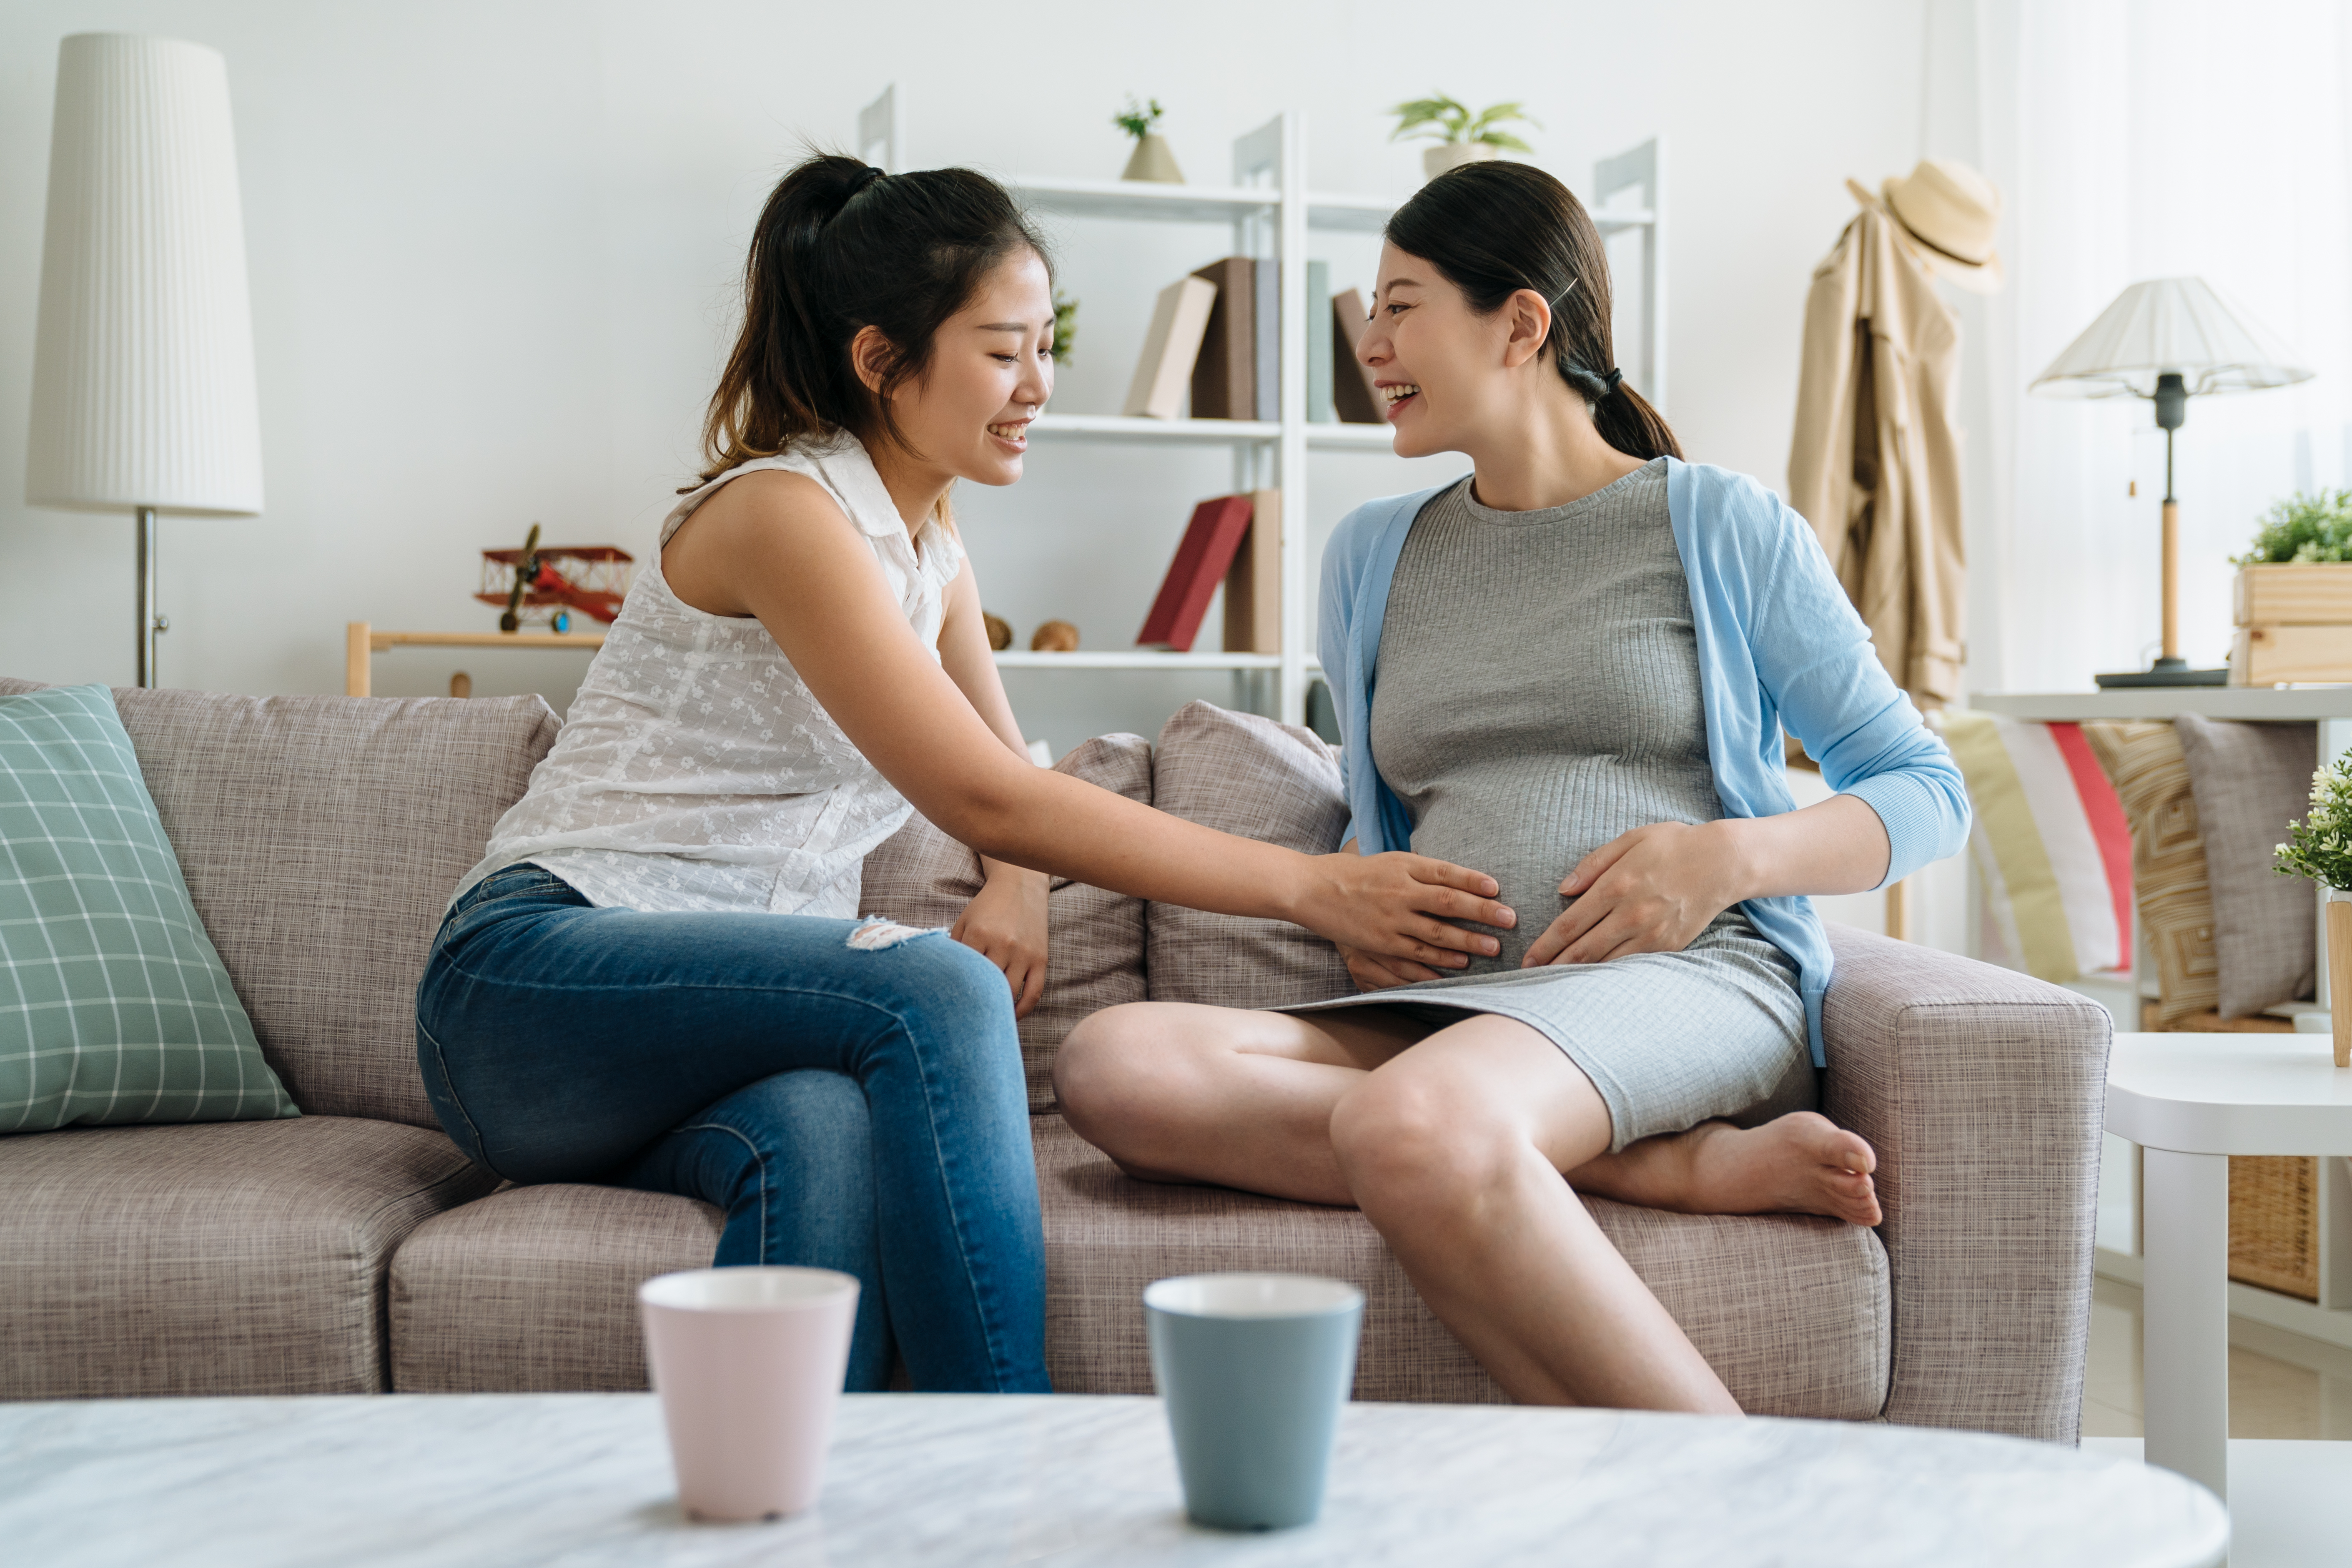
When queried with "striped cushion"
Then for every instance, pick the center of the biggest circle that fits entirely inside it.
(2051, 842)
(113, 1005)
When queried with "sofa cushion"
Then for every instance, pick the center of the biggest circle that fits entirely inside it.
(322, 838)
(1094, 939)
(113, 1005)
(534, 1289)
(2176, 901)
(235, 1257)
(1278, 783)
(1790, 1310)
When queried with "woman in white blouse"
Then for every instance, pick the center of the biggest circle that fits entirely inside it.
(655, 978)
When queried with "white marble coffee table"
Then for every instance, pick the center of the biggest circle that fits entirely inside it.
(498, 1480)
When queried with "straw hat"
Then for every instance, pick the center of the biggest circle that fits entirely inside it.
(1950, 212)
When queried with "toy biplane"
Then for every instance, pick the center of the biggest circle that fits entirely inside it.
(553, 580)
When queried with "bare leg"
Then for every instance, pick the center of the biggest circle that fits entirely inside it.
(1797, 1163)
(1454, 1150)
(1176, 1092)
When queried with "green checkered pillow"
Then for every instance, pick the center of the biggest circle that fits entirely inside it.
(113, 1006)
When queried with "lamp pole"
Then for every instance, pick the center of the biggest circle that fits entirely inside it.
(2171, 411)
(151, 624)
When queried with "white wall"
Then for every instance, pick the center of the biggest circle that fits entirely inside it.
(493, 248)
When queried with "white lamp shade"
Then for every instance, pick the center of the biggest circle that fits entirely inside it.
(2178, 325)
(142, 366)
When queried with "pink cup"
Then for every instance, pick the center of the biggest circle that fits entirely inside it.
(748, 1363)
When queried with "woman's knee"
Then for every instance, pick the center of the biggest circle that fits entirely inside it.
(1409, 1141)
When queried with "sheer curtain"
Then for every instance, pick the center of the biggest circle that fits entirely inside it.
(2140, 139)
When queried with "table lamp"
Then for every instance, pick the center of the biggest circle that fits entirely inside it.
(142, 363)
(2169, 339)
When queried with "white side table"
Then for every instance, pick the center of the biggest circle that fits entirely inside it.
(2190, 1101)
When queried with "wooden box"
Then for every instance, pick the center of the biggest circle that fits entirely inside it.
(2294, 624)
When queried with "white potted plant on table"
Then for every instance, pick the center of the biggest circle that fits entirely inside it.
(2320, 848)
(1461, 136)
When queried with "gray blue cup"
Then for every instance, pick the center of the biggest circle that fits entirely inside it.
(1253, 1369)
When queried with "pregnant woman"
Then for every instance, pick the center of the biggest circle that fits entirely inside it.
(1571, 669)
(655, 979)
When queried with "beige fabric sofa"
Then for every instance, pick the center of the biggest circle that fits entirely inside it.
(356, 1250)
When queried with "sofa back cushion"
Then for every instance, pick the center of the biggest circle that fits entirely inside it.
(320, 838)
(1242, 775)
(1094, 940)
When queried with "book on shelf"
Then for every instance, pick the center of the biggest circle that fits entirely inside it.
(1353, 397)
(1170, 348)
(1253, 581)
(1202, 558)
(1319, 343)
(1266, 315)
(1224, 376)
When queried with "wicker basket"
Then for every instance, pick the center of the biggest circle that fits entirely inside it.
(2275, 1223)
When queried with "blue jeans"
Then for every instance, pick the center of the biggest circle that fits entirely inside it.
(851, 1109)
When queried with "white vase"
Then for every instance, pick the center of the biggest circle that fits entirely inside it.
(1153, 161)
(1435, 160)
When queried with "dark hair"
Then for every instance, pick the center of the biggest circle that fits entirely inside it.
(841, 247)
(1494, 228)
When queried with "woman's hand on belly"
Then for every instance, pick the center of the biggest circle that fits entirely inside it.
(1653, 890)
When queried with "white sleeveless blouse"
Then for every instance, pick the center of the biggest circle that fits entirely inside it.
(697, 771)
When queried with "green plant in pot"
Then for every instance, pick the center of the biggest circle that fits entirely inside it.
(2319, 848)
(1462, 137)
(2292, 597)
(1152, 160)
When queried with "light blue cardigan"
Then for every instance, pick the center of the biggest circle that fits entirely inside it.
(1777, 643)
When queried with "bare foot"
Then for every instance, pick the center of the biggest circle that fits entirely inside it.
(1798, 1164)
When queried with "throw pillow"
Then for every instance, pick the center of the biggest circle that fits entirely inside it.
(2051, 842)
(1250, 776)
(2143, 761)
(1094, 939)
(2249, 781)
(113, 1005)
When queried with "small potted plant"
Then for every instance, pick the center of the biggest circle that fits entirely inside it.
(1461, 136)
(1066, 327)
(2292, 600)
(2320, 848)
(1152, 160)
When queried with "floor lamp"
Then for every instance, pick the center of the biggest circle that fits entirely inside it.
(2170, 339)
(142, 362)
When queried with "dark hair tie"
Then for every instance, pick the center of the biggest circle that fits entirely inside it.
(865, 177)
(1612, 381)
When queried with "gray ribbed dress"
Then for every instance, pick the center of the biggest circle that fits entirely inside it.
(1537, 695)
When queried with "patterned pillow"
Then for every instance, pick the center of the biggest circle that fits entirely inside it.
(113, 1005)
(2051, 842)
(2250, 781)
(1094, 940)
(2143, 761)
(1276, 782)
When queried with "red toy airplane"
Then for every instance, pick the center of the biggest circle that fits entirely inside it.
(595, 581)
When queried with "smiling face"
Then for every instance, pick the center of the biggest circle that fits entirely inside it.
(1443, 368)
(990, 371)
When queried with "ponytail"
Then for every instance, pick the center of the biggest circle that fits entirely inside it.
(1494, 228)
(840, 247)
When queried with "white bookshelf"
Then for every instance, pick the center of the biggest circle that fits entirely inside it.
(1271, 212)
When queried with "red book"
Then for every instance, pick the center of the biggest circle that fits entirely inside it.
(1211, 538)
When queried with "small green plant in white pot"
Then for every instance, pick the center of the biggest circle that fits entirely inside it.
(1152, 160)
(2319, 848)
(1462, 137)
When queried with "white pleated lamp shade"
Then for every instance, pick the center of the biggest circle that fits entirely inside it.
(2181, 326)
(142, 366)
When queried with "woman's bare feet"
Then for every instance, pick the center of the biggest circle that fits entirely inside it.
(1798, 1164)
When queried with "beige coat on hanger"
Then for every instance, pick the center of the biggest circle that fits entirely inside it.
(1875, 465)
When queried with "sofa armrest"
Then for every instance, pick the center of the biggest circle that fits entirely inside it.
(1984, 1092)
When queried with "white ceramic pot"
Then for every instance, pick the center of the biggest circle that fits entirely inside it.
(1435, 160)
(1153, 161)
